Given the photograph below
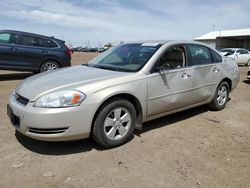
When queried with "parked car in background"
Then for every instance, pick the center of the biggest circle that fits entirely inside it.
(101, 49)
(120, 89)
(22, 51)
(77, 49)
(93, 50)
(240, 55)
(248, 73)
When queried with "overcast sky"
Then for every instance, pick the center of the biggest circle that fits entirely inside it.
(102, 21)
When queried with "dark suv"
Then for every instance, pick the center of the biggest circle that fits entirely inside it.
(23, 51)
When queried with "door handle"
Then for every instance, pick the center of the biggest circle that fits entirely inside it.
(216, 69)
(185, 75)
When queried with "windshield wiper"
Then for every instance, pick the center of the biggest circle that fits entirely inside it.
(87, 65)
(108, 68)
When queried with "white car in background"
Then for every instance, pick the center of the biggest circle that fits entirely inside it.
(248, 73)
(240, 55)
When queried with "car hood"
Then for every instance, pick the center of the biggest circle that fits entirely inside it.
(67, 78)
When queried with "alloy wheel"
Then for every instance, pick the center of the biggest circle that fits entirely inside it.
(117, 123)
(222, 95)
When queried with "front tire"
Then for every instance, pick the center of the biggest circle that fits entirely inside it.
(221, 97)
(114, 124)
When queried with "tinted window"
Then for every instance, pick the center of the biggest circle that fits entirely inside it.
(244, 52)
(4, 37)
(28, 41)
(200, 54)
(216, 57)
(238, 52)
(51, 44)
(37, 41)
(42, 42)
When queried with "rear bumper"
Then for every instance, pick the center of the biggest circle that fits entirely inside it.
(66, 62)
(235, 80)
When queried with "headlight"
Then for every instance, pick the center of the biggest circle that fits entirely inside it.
(60, 99)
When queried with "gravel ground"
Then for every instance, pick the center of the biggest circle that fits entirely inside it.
(194, 148)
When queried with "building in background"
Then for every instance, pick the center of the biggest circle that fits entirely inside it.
(238, 38)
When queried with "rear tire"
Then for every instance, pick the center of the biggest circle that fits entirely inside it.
(248, 63)
(48, 66)
(114, 124)
(221, 97)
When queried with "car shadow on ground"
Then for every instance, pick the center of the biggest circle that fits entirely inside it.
(64, 148)
(246, 81)
(57, 148)
(171, 119)
(14, 76)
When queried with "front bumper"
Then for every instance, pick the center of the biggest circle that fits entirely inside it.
(51, 124)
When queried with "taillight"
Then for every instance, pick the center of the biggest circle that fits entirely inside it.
(68, 51)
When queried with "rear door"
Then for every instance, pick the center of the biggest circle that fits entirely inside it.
(29, 51)
(241, 56)
(206, 72)
(245, 56)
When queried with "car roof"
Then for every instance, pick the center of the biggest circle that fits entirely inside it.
(162, 42)
(33, 34)
(233, 49)
(169, 41)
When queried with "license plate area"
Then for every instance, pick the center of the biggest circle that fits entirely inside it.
(15, 120)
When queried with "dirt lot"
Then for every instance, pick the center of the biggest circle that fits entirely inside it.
(195, 148)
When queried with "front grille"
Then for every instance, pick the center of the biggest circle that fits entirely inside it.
(15, 120)
(20, 99)
(47, 131)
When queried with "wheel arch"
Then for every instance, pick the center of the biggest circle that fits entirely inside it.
(229, 81)
(126, 96)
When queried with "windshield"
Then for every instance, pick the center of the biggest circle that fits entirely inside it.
(228, 51)
(126, 57)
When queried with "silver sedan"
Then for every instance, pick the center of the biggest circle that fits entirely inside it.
(119, 90)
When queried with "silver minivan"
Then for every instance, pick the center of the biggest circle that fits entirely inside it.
(121, 89)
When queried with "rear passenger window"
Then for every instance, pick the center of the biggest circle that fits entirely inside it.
(244, 52)
(38, 42)
(28, 41)
(4, 37)
(200, 54)
(50, 43)
(216, 57)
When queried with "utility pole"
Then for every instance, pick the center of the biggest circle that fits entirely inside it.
(213, 27)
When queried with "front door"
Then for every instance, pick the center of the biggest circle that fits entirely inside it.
(170, 83)
(8, 50)
(242, 56)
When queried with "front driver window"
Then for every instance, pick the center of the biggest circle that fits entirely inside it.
(173, 58)
(4, 37)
